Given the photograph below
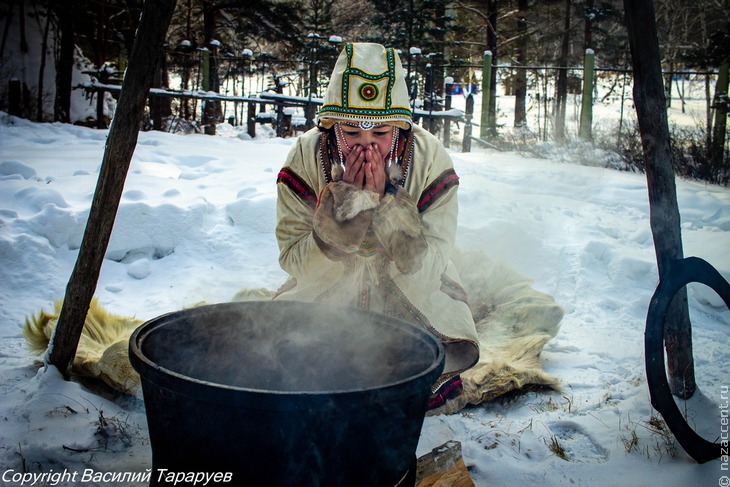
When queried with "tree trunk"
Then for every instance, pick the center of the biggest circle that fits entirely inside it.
(64, 64)
(21, 21)
(24, 93)
(42, 68)
(492, 47)
(561, 96)
(120, 146)
(588, 28)
(651, 111)
(160, 106)
(6, 29)
(521, 78)
(719, 128)
(668, 84)
(211, 109)
(439, 60)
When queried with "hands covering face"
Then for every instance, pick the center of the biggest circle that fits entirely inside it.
(365, 168)
(364, 153)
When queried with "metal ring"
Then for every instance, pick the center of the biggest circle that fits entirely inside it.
(681, 273)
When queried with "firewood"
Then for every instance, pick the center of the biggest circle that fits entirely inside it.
(443, 467)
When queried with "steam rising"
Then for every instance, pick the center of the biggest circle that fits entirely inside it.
(288, 347)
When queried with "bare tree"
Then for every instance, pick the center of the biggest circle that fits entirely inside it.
(64, 62)
(561, 97)
(42, 68)
(521, 58)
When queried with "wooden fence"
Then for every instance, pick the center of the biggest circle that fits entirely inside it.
(283, 112)
(284, 107)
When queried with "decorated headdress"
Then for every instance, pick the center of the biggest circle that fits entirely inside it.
(367, 86)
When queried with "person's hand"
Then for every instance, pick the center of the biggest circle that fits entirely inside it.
(375, 176)
(354, 166)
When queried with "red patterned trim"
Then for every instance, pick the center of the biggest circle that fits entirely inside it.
(437, 188)
(294, 182)
(453, 289)
(448, 390)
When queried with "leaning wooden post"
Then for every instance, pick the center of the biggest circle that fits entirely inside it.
(118, 152)
(651, 111)
(586, 110)
(486, 87)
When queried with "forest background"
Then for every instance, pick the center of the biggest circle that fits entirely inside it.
(248, 47)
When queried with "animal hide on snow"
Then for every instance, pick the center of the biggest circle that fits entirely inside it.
(514, 322)
(103, 350)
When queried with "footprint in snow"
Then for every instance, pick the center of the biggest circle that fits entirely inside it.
(578, 445)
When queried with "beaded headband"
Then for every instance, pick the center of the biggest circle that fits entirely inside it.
(364, 124)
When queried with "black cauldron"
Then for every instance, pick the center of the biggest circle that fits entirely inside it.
(284, 394)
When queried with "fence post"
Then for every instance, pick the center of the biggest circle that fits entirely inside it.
(466, 142)
(586, 111)
(279, 119)
(449, 81)
(310, 112)
(251, 119)
(486, 87)
(208, 118)
(103, 78)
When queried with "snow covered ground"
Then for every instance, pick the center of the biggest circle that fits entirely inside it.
(196, 223)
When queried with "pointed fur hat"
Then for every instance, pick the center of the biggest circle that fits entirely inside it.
(367, 84)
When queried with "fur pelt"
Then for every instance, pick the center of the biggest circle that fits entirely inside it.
(514, 322)
(102, 351)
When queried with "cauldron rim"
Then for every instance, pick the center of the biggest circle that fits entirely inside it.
(152, 370)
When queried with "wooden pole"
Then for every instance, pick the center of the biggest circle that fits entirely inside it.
(651, 111)
(468, 115)
(449, 82)
(586, 111)
(118, 152)
(251, 119)
(486, 87)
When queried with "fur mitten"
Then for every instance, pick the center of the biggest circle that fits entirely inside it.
(342, 216)
(398, 227)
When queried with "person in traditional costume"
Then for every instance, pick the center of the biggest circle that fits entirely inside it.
(367, 211)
